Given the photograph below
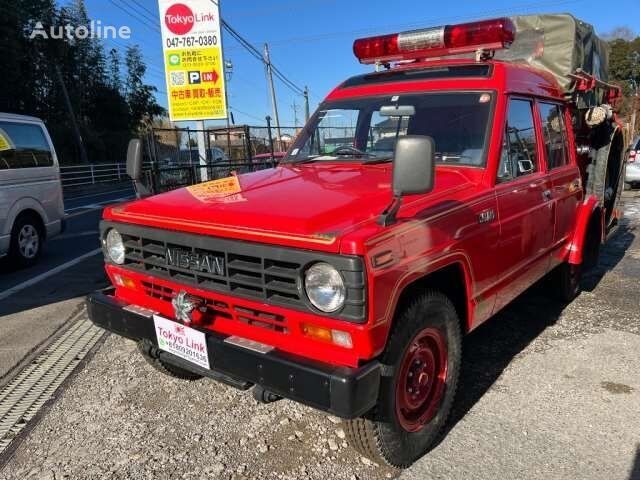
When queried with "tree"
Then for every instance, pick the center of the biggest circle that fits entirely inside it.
(107, 114)
(624, 69)
(142, 103)
(114, 73)
(620, 33)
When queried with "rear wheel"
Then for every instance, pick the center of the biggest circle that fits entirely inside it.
(421, 367)
(26, 240)
(566, 283)
(165, 368)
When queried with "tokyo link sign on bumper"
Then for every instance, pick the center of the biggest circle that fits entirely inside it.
(194, 66)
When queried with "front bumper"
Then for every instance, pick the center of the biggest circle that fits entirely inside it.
(342, 391)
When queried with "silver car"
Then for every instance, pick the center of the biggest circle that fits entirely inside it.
(632, 177)
(31, 203)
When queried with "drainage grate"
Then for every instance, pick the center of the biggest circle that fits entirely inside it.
(21, 399)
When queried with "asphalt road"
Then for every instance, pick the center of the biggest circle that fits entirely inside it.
(547, 391)
(39, 300)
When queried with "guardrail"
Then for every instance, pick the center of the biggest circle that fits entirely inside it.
(80, 175)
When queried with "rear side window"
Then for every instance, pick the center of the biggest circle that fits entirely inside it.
(555, 135)
(23, 146)
(519, 145)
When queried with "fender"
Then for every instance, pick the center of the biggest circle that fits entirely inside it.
(417, 272)
(584, 214)
(25, 203)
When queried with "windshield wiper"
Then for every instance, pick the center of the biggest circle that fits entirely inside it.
(373, 161)
(350, 151)
(309, 159)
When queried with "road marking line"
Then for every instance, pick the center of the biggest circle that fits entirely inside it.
(97, 206)
(50, 273)
(67, 236)
(91, 206)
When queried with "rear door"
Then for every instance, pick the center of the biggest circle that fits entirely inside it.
(563, 173)
(525, 209)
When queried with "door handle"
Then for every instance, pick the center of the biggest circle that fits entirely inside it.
(546, 195)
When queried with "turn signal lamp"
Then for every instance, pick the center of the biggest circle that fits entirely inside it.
(125, 282)
(337, 337)
(484, 35)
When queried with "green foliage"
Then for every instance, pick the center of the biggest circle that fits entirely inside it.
(624, 67)
(108, 110)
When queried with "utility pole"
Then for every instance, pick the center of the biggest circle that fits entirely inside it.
(306, 104)
(267, 61)
(228, 72)
(295, 113)
(83, 153)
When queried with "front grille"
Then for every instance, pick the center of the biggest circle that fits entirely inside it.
(218, 309)
(252, 276)
(255, 271)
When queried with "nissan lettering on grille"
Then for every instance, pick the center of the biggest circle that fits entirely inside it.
(198, 262)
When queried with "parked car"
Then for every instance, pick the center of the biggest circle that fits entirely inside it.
(31, 203)
(214, 155)
(632, 177)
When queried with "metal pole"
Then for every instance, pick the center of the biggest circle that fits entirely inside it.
(202, 151)
(274, 104)
(306, 104)
(83, 153)
(273, 159)
(295, 113)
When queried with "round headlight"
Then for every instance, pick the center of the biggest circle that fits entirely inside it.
(325, 287)
(115, 246)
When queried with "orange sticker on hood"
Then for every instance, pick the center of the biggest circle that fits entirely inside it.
(223, 190)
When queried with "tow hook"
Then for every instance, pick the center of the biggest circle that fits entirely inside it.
(265, 396)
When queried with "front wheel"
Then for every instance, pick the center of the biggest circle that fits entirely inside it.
(421, 365)
(26, 241)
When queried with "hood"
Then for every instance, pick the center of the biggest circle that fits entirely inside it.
(313, 203)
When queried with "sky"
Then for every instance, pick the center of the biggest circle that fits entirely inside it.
(311, 40)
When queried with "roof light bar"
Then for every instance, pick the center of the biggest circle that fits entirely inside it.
(493, 34)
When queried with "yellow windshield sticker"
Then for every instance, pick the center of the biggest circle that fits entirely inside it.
(223, 190)
(5, 141)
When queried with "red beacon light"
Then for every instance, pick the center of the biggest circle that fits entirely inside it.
(485, 35)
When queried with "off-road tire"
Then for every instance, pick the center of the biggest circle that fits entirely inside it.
(379, 435)
(25, 223)
(566, 282)
(166, 368)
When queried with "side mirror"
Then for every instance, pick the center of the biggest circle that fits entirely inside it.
(413, 165)
(525, 166)
(134, 159)
(413, 172)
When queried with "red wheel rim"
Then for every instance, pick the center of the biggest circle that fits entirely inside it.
(422, 380)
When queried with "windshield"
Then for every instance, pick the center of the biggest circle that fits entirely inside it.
(366, 129)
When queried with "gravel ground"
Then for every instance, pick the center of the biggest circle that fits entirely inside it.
(546, 392)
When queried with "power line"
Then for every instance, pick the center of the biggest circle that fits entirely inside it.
(135, 15)
(516, 9)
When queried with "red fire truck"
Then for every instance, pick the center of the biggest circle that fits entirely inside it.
(418, 201)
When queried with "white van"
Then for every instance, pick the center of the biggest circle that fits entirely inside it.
(31, 203)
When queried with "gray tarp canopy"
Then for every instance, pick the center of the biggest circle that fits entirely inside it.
(559, 43)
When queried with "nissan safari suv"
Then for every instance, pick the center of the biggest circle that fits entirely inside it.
(416, 203)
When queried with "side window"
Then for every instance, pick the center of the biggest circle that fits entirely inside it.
(23, 146)
(519, 144)
(555, 135)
